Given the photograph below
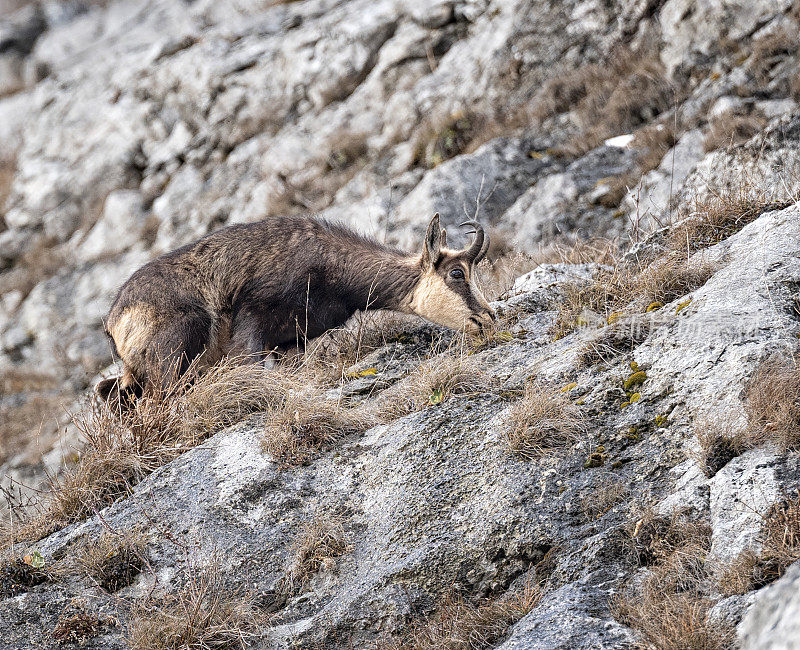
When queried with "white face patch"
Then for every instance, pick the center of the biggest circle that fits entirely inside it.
(434, 300)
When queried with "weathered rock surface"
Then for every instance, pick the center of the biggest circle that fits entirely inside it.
(434, 501)
(128, 128)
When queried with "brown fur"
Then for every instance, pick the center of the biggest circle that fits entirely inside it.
(269, 286)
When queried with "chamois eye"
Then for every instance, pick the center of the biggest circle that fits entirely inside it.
(457, 274)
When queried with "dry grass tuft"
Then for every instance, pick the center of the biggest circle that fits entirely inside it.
(121, 448)
(461, 625)
(721, 440)
(628, 289)
(77, 626)
(773, 403)
(771, 49)
(730, 128)
(434, 382)
(305, 422)
(780, 548)
(712, 220)
(669, 607)
(7, 171)
(603, 497)
(17, 577)
(320, 542)
(541, 421)
(203, 614)
(781, 533)
(607, 99)
(445, 138)
(498, 277)
(113, 560)
(655, 538)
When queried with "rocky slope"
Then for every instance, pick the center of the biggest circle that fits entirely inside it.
(129, 128)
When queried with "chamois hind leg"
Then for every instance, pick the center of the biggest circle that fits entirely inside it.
(252, 334)
(175, 346)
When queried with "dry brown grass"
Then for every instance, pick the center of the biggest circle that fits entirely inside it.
(120, 448)
(113, 560)
(629, 289)
(721, 439)
(714, 219)
(433, 382)
(771, 49)
(601, 498)
(669, 607)
(773, 403)
(305, 422)
(320, 542)
(77, 625)
(7, 170)
(780, 548)
(460, 625)
(607, 99)
(730, 128)
(651, 144)
(543, 420)
(444, 138)
(498, 277)
(41, 261)
(204, 615)
(18, 576)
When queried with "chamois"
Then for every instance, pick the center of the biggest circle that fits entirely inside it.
(257, 288)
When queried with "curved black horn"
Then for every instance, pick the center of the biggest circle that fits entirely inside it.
(484, 248)
(475, 250)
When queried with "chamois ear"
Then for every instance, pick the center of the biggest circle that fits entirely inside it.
(432, 249)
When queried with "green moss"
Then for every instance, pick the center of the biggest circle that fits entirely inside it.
(683, 305)
(635, 379)
(653, 306)
(660, 420)
(569, 387)
(635, 397)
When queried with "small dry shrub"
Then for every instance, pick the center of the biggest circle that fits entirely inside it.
(731, 128)
(203, 614)
(320, 542)
(714, 219)
(17, 577)
(543, 420)
(669, 607)
(460, 625)
(607, 343)
(721, 439)
(77, 625)
(433, 382)
(113, 560)
(773, 403)
(651, 144)
(305, 422)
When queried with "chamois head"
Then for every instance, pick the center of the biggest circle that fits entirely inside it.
(447, 293)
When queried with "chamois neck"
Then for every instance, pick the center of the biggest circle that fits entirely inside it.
(379, 277)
